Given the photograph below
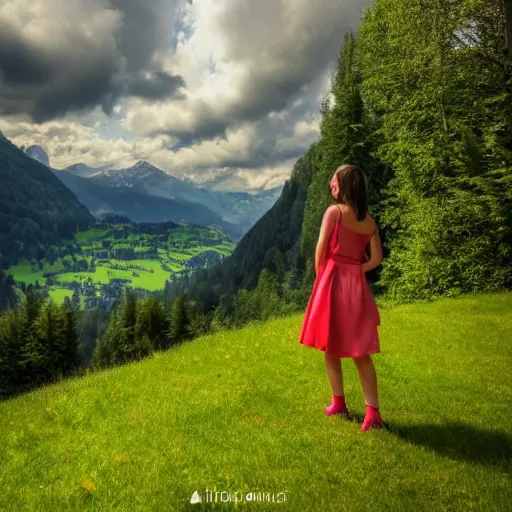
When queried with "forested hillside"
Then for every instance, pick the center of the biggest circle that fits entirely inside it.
(272, 243)
(35, 207)
(439, 76)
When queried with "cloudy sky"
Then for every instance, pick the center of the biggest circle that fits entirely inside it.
(196, 87)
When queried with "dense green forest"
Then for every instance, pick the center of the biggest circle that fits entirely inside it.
(421, 100)
(42, 342)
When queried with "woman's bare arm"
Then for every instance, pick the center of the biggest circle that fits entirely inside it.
(328, 223)
(375, 252)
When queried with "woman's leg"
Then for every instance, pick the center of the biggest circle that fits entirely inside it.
(368, 379)
(333, 366)
(338, 405)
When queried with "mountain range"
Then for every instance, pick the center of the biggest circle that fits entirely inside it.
(146, 193)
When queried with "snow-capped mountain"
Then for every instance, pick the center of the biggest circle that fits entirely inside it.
(235, 207)
(153, 181)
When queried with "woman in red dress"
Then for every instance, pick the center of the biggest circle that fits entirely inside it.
(342, 317)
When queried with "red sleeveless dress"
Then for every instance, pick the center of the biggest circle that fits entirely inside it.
(342, 315)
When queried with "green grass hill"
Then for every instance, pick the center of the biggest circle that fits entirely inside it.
(243, 411)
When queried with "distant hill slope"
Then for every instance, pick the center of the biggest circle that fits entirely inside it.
(145, 177)
(36, 208)
(140, 206)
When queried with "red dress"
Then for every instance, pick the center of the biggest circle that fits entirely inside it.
(342, 316)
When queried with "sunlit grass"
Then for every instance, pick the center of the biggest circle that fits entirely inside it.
(100, 275)
(85, 237)
(58, 294)
(244, 411)
(29, 274)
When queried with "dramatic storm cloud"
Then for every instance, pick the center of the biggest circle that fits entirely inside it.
(57, 56)
(197, 87)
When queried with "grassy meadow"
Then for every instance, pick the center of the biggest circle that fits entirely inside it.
(243, 411)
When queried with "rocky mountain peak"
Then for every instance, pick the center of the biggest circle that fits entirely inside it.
(143, 164)
(38, 153)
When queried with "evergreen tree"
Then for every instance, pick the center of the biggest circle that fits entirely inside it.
(48, 342)
(268, 295)
(274, 262)
(92, 326)
(119, 343)
(76, 298)
(199, 322)
(179, 320)
(8, 295)
(14, 337)
(36, 350)
(106, 351)
(152, 321)
(33, 303)
(247, 307)
(71, 354)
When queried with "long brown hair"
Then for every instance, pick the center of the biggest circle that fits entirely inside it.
(353, 189)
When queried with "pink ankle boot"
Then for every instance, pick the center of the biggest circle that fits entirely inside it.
(338, 406)
(372, 419)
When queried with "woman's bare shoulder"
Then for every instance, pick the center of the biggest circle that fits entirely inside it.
(372, 221)
(332, 209)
